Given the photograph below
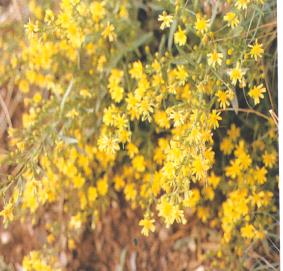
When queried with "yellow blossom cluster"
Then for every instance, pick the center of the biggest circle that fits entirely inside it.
(119, 107)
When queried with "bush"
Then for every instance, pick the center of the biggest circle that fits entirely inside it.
(169, 104)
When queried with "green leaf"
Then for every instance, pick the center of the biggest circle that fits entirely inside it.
(171, 34)
(69, 140)
(124, 49)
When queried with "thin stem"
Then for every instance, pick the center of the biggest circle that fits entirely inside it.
(274, 117)
(268, 90)
(245, 110)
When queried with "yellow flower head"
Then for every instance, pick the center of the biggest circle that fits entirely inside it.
(214, 118)
(256, 50)
(201, 24)
(109, 32)
(236, 74)
(167, 210)
(232, 19)
(180, 37)
(248, 231)
(165, 19)
(102, 187)
(223, 98)
(7, 212)
(139, 163)
(269, 159)
(242, 4)
(214, 58)
(257, 93)
(148, 225)
(108, 144)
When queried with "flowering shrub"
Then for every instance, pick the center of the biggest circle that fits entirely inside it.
(119, 105)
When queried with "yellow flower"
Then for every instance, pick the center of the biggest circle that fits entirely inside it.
(260, 175)
(72, 114)
(177, 117)
(148, 225)
(37, 261)
(130, 192)
(256, 50)
(257, 93)
(236, 74)
(132, 106)
(203, 213)
(78, 181)
(115, 89)
(71, 244)
(108, 144)
(101, 61)
(119, 183)
(230, 51)
(181, 74)
(244, 160)
(161, 119)
(85, 93)
(144, 129)
(180, 37)
(199, 167)
(37, 98)
(91, 194)
(117, 93)
(156, 183)
(50, 238)
(214, 58)
(102, 186)
(192, 199)
(248, 231)
(214, 118)
(208, 193)
(115, 77)
(213, 180)
(269, 159)
(223, 98)
(97, 11)
(167, 211)
(108, 32)
(49, 16)
(233, 132)
(76, 221)
(124, 135)
(226, 145)
(132, 150)
(109, 115)
(24, 86)
(234, 169)
(145, 108)
(136, 71)
(31, 28)
(232, 19)
(201, 24)
(165, 19)
(123, 12)
(139, 163)
(242, 4)
(7, 212)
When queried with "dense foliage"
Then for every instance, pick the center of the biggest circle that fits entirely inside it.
(169, 104)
